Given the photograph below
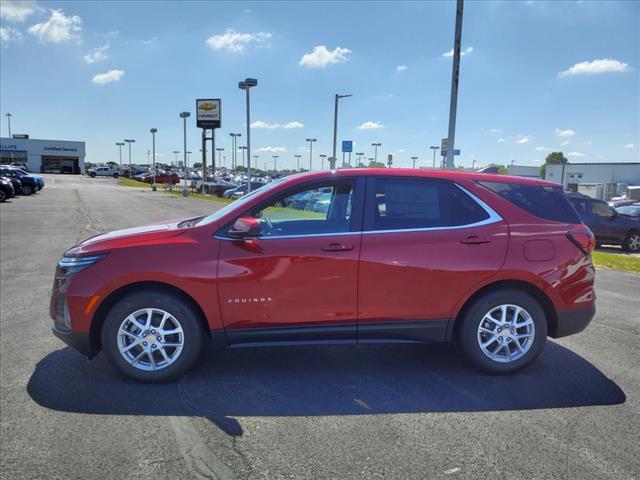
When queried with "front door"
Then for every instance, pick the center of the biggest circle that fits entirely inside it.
(298, 280)
(425, 244)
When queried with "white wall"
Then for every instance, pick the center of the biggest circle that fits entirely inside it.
(36, 148)
(594, 173)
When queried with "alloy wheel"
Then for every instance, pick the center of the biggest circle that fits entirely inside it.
(150, 339)
(634, 242)
(506, 333)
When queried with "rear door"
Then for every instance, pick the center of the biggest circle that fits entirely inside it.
(425, 243)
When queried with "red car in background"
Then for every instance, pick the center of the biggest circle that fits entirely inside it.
(491, 262)
(171, 178)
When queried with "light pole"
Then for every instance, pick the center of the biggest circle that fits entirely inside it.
(130, 141)
(455, 80)
(148, 157)
(375, 145)
(246, 86)
(184, 116)
(434, 148)
(255, 159)
(275, 162)
(311, 140)
(219, 150)
(153, 146)
(359, 160)
(9, 123)
(234, 142)
(120, 145)
(266, 162)
(298, 157)
(243, 148)
(322, 163)
(175, 156)
(335, 129)
(414, 161)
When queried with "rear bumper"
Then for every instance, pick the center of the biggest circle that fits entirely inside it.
(77, 341)
(571, 322)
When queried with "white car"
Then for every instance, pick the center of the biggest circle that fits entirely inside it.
(103, 172)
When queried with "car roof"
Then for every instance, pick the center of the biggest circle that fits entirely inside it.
(426, 173)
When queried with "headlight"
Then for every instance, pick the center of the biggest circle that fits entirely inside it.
(72, 265)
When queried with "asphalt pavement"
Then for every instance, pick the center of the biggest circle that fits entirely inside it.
(374, 411)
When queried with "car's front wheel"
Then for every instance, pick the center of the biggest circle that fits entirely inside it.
(632, 242)
(27, 190)
(152, 336)
(502, 331)
(3, 196)
(116, 175)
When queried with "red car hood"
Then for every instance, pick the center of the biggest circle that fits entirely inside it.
(146, 234)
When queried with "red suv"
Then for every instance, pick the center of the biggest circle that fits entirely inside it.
(494, 263)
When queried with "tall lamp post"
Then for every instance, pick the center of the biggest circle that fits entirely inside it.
(311, 140)
(243, 148)
(375, 145)
(120, 145)
(359, 160)
(184, 116)
(322, 162)
(153, 146)
(275, 162)
(255, 160)
(130, 141)
(298, 157)
(455, 80)
(219, 150)
(9, 123)
(434, 148)
(246, 86)
(414, 161)
(335, 129)
(234, 142)
(175, 157)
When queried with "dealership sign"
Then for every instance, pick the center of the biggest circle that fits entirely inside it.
(208, 113)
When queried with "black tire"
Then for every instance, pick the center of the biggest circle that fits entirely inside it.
(92, 174)
(632, 242)
(27, 189)
(176, 306)
(3, 196)
(116, 175)
(467, 330)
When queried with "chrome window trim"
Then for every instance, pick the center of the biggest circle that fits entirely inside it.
(494, 217)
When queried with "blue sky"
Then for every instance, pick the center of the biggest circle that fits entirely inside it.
(536, 76)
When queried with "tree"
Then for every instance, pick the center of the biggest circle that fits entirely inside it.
(112, 164)
(197, 165)
(374, 164)
(556, 158)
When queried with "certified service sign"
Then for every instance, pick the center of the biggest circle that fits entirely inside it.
(208, 115)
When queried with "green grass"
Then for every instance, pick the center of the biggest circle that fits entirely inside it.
(617, 261)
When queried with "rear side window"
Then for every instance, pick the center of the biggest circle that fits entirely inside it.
(549, 203)
(407, 203)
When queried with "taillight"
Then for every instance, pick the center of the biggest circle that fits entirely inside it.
(584, 241)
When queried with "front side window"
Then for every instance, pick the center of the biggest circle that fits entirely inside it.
(601, 209)
(321, 209)
(408, 203)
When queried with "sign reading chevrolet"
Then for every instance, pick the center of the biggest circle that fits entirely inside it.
(208, 113)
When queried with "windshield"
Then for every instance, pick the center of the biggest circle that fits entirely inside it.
(238, 203)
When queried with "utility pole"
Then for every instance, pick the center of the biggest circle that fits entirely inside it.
(375, 145)
(322, 163)
(359, 160)
(243, 148)
(275, 162)
(120, 145)
(434, 148)
(298, 157)
(311, 140)
(153, 143)
(414, 161)
(219, 150)
(9, 123)
(130, 141)
(455, 80)
(184, 116)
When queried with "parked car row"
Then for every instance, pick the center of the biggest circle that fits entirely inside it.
(15, 181)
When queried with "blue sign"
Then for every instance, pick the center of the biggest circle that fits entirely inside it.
(347, 146)
(444, 152)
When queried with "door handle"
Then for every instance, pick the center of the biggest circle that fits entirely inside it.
(474, 240)
(337, 247)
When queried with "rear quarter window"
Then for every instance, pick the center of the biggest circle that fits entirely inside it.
(548, 203)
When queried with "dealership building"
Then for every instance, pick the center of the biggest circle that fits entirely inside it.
(43, 156)
(573, 174)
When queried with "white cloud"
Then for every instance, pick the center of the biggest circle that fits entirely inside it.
(272, 149)
(9, 35)
(150, 41)
(320, 57)
(97, 54)
(565, 133)
(59, 28)
(501, 140)
(522, 139)
(543, 149)
(401, 68)
(370, 126)
(565, 143)
(630, 145)
(234, 41)
(108, 77)
(575, 154)
(496, 130)
(18, 11)
(402, 150)
(594, 67)
(272, 126)
(466, 51)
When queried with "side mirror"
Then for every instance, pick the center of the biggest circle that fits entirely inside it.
(245, 227)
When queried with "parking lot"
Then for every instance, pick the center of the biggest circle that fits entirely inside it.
(374, 411)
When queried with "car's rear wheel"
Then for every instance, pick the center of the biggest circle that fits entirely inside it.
(152, 336)
(3, 196)
(502, 331)
(27, 190)
(92, 175)
(116, 175)
(632, 242)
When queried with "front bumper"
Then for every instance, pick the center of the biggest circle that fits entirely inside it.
(571, 322)
(77, 341)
